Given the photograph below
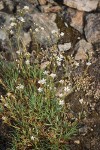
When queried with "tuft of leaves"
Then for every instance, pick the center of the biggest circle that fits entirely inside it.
(37, 119)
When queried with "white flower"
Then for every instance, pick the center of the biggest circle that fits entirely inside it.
(66, 24)
(26, 8)
(18, 52)
(21, 19)
(4, 118)
(12, 18)
(13, 24)
(53, 31)
(27, 62)
(37, 30)
(52, 75)
(32, 138)
(8, 94)
(45, 72)
(81, 101)
(6, 105)
(88, 63)
(27, 54)
(61, 81)
(61, 56)
(42, 28)
(78, 38)
(59, 59)
(43, 81)
(61, 102)
(62, 34)
(66, 89)
(76, 64)
(58, 63)
(11, 32)
(20, 87)
(40, 89)
(60, 95)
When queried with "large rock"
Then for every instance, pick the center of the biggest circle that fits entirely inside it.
(75, 19)
(45, 29)
(83, 49)
(83, 5)
(92, 28)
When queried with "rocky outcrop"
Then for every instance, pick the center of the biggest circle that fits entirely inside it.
(47, 29)
(83, 5)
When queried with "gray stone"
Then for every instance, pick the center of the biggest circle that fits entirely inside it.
(4, 24)
(45, 29)
(3, 35)
(83, 49)
(4, 19)
(83, 5)
(83, 130)
(92, 28)
(64, 47)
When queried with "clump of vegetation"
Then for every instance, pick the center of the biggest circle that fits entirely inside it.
(31, 107)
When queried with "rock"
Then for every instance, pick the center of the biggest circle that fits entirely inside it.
(84, 49)
(42, 2)
(98, 8)
(75, 19)
(52, 2)
(3, 35)
(1, 5)
(92, 28)
(4, 24)
(9, 5)
(45, 8)
(45, 29)
(77, 141)
(83, 130)
(50, 8)
(83, 5)
(4, 19)
(81, 55)
(64, 47)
